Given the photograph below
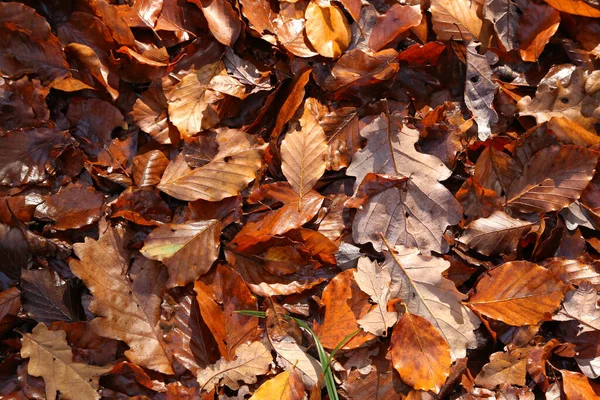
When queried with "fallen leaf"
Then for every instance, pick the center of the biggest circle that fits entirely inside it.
(504, 14)
(327, 29)
(396, 20)
(456, 19)
(581, 305)
(234, 166)
(518, 293)
(252, 359)
(303, 154)
(577, 7)
(574, 271)
(10, 304)
(188, 250)
(419, 353)
(498, 234)
(223, 21)
(577, 386)
(47, 297)
(290, 28)
(150, 114)
(503, 368)
(126, 304)
(74, 207)
(375, 281)
(285, 386)
(149, 167)
(552, 179)
(537, 25)
(51, 358)
(417, 280)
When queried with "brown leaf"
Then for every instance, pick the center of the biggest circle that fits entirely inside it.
(150, 114)
(498, 234)
(75, 206)
(303, 154)
(552, 179)
(142, 206)
(456, 19)
(188, 250)
(289, 28)
(252, 359)
(223, 21)
(87, 58)
(396, 20)
(234, 166)
(292, 101)
(51, 358)
(149, 167)
(23, 102)
(26, 156)
(344, 304)
(327, 29)
(127, 304)
(581, 305)
(574, 271)
(285, 386)
(504, 368)
(518, 293)
(231, 330)
(537, 25)
(496, 170)
(419, 353)
(505, 17)
(28, 45)
(47, 297)
(10, 304)
(477, 201)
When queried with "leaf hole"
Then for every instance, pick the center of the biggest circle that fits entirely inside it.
(564, 100)
(474, 79)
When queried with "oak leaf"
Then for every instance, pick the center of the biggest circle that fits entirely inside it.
(51, 358)
(252, 359)
(518, 293)
(188, 250)
(420, 353)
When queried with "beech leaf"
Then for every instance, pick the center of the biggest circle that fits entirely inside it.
(327, 29)
(285, 386)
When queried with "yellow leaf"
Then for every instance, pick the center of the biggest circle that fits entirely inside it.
(327, 29)
(285, 386)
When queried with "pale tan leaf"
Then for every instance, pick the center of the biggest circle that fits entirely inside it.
(419, 353)
(375, 281)
(456, 19)
(51, 358)
(552, 178)
(295, 357)
(252, 360)
(304, 154)
(285, 386)
(504, 367)
(234, 166)
(518, 293)
(127, 304)
(418, 281)
(188, 250)
(575, 271)
(189, 109)
(327, 29)
(581, 305)
(391, 149)
(497, 234)
(289, 28)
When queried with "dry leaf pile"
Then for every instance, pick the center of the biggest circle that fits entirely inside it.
(416, 181)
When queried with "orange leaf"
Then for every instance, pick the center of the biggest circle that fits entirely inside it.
(327, 29)
(537, 25)
(577, 7)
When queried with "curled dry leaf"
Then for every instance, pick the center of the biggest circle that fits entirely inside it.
(327, 29)
(51, 358)
(234, 166)
(552, 178)
(126, 303)
(303, 155)
(252, 359)
(285, 386)
(344, 304)
(417, 280)
(150, 114)
(518, 293)
(188, 250)
(498, 234)
(419, 353)
(504, 368)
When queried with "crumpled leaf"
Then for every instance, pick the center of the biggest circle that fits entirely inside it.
(51, 358)
(303, 154)
(414, 214)
(552, 178)
(567, 92)
(456, 19)
(391, 149)
(252, 359)
(420, 353)
(504, 368)
(126, 303)
(285, 386)
(480, 91)
(327, 29)
(188, 250)
(375, 281)
(518, 293)
(498, 234)
(234, 166)
(189, 108)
